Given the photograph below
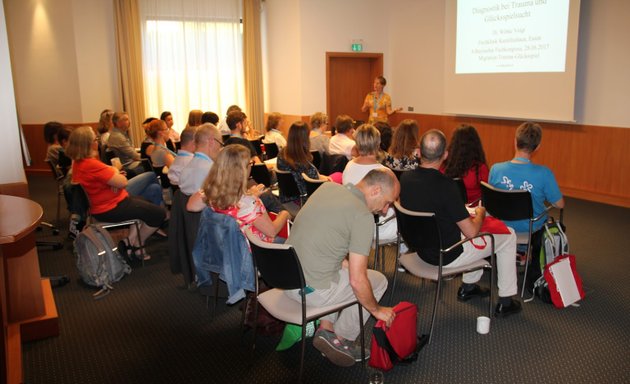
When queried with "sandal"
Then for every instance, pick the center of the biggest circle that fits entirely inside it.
(139, 253)
(129, 250)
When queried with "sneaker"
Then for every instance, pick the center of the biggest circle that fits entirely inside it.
(355, 350)
(335, 350)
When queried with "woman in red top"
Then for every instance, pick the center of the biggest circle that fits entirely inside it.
(105, 188)
(467, 161)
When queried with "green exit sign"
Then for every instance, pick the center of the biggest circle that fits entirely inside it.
(357, 47)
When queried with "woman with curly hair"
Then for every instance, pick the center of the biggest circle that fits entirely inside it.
(225, 191)
(467, 160)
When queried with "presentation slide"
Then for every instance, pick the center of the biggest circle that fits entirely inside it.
(511, 36)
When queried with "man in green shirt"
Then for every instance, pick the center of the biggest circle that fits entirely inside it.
(332, 236)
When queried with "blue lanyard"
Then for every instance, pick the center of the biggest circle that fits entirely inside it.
(524, 160)
(184, 154)
(162, 146)
(200, 155)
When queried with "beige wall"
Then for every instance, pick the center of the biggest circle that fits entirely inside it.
(63, 59)
(410, 34)
(11, 169)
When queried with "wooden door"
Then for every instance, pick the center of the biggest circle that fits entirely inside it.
(349, 77)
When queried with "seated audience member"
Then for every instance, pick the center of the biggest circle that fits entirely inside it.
(342, 143)
(160, 155)
(273, 135)
(210, 117)
(223, 126)
(120, 144)
(105, 187)
(184, 155)
(208, 143)
(426, 189)
(52, 131)
(332, 236)
(404, 152)
(104, 126)
(296, 158)
(318, 137)
(194, 118)
(225, 191)
(467, 161)
(173, 135)
(386, 139)
(147, 145)
(521, 173)
(368, 141)
(237, 121)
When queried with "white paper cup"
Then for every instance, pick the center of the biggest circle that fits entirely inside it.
(483, 325)
(116, 162)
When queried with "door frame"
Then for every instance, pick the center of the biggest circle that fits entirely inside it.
(376, 64)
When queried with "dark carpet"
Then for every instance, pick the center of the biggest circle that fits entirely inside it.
(150, 331)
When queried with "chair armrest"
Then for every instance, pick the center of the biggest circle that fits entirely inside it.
(384, 221)
(543, 213)
(467, 239)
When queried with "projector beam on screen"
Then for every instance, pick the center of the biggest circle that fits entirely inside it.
(511, 59)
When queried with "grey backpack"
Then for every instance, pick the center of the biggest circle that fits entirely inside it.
(98, 260)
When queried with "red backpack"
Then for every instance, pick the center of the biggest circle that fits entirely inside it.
(398, 344)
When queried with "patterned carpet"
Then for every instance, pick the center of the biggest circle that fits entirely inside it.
(150, 331)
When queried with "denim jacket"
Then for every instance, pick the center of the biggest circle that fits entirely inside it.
(221, 248)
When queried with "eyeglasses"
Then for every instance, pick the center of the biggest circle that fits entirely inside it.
(220, 143)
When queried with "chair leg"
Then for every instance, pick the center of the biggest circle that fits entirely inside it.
(396, 265)
(529, 254)
(362, 333)
(435, 304)
(303, 352)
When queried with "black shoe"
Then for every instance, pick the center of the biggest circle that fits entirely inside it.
(477, 291)
(507, 310)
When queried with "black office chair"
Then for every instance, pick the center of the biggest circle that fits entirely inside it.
(462, 189)
(256, 143)
(420, 230)
(260, 174)
(311, 184)
(513, 206)
(317, 159)
(288, 187)
(332, 163)
(272, 150)
(279, 266)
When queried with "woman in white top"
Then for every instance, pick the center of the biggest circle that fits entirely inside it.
(161, 156)
(273, 135)
(318, 138)
(368, 141)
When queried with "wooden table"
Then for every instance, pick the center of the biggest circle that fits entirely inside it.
(27, 305)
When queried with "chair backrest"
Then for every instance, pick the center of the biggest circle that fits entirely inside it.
(271, 149)
(278, 264)
(311, 184)
(256, 143)
(260, 174)
(317, 159)
(143, 149)
(332, 163)
(507, 205)
(225, 138)
(57, 174)
(419, 230)
(462, 189)
(399, 172)
(286, 184)
(109, 155)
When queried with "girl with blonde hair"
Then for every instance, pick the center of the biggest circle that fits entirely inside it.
(225, 191)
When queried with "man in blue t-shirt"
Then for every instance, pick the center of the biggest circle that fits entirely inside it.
(520, 173)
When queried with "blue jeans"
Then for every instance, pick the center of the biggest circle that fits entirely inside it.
(147, 186)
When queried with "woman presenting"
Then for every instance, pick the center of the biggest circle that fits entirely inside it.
(379, 103)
